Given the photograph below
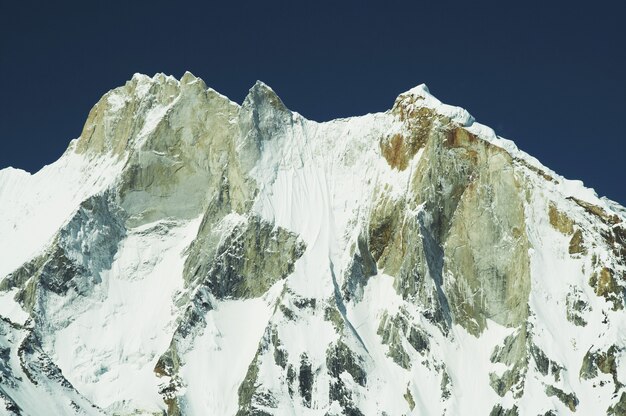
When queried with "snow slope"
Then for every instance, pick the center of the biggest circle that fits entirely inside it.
(190, 255)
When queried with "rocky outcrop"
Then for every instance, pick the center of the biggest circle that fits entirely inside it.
(241, 259)
(82, 249)
(250, 258)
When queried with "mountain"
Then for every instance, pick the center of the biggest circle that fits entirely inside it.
(188, 255)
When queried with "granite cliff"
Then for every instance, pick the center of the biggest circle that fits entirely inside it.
(188, 255)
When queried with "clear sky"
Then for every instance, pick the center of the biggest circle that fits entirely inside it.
(550, 75)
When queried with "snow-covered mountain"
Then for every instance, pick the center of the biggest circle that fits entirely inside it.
(188, 255)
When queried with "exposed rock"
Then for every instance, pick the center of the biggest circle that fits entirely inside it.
(305, 380)
(619, 408)
(250, 259)
(498, 410)
(445, 385)
(513, 354)
(597, 211)
(576, 244)
(568, 399)
(399, 148)
(606, 286)
(339, 266)
(560, 221)
(576, 307)
(605, 361)
(394, 331)
(82, 249)
(409, 399)
(362, 266)
(280, 353)
(536, 170)
(333, 315)
(248, 389)
(418, 340)
(340, 358)
(489, 283)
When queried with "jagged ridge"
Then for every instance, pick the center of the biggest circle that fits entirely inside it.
(190, 255)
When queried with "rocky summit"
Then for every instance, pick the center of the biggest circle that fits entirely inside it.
(188, 255)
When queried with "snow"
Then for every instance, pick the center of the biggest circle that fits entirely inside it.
(468, 364)
(34, 207)
(426, 99)
(116, 101)
(109, 349)
(466, 358)
(564, 186)
(458, 115)
(320, 181)
(555, 274)
(308, 185)
(10, 309)
(386, 380)
(44, 398)
(217, 361)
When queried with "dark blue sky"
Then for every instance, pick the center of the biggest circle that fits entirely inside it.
(549, 75)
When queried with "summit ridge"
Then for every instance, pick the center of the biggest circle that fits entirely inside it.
(189, 255)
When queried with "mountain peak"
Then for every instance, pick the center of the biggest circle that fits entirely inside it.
(420, 90)
(125, 116)
(420, 96)
(188, 78)
(383, 264)
(261, 94)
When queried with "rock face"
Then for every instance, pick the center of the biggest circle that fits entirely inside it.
(191, 256)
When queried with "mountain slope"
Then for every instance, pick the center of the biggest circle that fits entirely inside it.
(189, 255)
